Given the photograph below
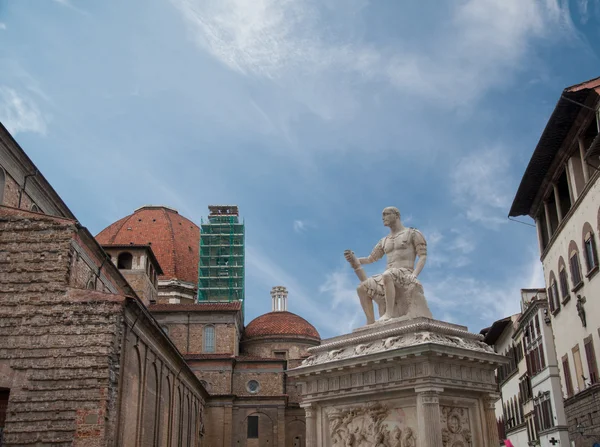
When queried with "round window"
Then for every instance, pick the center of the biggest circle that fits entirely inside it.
(253, 386)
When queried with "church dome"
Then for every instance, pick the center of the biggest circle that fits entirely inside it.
(174, 239)
(279, 324)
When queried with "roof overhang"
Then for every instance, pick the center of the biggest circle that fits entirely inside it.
(494, 332)
(573, 101)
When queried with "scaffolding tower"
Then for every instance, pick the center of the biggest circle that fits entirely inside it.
(222, 255)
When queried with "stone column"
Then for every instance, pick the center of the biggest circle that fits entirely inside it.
(311, 425)
(428, 415)
(489, 414)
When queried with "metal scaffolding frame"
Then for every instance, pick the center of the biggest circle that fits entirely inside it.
(221, 273)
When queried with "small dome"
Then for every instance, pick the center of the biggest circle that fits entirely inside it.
(174, 239)
(277, 324)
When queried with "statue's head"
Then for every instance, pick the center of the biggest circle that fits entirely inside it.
(390, 214)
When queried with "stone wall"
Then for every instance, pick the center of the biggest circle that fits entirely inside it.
(216, 373)
(67, 354)
(58, 351)
(161, 398)
(584, 409)
(268, 425)
(141, 283)
(295, 428)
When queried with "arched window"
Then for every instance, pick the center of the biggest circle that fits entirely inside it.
(2, 183)
(589, 244)
(209, 339)
(125, 261)
(574, 264)
(35, 208)
(563, 280)
(91, 285)
(553, 297)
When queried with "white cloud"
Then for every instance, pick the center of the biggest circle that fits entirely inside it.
(20, 113)
(300, 226)
(479, 302)
(481, 186)
(340, 289)
(477, 46)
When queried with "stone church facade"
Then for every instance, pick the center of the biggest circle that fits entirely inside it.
(100, 345)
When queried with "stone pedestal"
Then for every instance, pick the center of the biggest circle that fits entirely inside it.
(412, 383)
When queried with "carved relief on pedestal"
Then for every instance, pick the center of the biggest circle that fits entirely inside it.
(373, 425)
(358, 348)
(456, 427)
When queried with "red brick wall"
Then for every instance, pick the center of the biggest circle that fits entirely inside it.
(271, 383)
(11, 195)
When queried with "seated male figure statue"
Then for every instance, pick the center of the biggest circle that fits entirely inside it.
(397, 291)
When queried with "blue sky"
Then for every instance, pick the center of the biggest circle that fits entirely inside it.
(312, 116)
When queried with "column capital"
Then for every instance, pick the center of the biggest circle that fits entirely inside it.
(309, 410)
(427, 389)
(490, 399)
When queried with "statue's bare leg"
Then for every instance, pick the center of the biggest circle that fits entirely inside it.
(390, 297)
(381, 308)
(366, 303)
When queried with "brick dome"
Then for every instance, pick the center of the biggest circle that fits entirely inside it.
(280, 324)
(174, 239)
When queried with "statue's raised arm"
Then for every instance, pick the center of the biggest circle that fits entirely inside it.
(397, 291)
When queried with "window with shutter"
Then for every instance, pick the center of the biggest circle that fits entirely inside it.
(542, 358)
(555, 296)
(564, 283)
(591, 359)
(591, 257)
(575, 269)
(567, 375)
(550, 299)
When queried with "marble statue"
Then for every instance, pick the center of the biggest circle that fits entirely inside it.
(397, 291)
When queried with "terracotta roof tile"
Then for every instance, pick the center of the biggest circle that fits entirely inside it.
(280, 324)
(200, 307)
(174, 239)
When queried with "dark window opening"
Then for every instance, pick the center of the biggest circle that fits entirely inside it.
(563, 194)
(35, 208)
(552, 212)
(4, 393)
(280, 354)
(125, 261)
(252, 427)
(541, 218)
